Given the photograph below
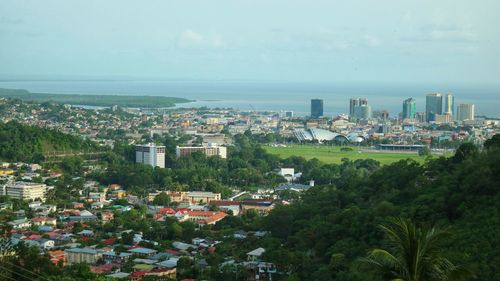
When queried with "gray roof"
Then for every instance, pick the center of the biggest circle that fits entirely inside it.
(146, 261)
(118, 275)
(82, 250)
(145, 251)
(170, 263)
(257, 252)
(183, 246)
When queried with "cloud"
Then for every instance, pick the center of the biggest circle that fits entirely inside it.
(441, 33)
(190, 39)
(10, 21)
(327, 40)
(371, 41)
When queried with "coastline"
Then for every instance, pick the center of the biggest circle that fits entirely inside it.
(140, 101)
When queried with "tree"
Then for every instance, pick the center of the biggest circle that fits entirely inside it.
(424, 151)
(413, 254)
(465, 151)
(493, 143)
(162, 199)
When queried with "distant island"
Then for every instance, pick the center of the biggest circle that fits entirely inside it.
(94, 100)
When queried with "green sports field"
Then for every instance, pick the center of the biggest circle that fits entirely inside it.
(333, 154)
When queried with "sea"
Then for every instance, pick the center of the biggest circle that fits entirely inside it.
(275, 96)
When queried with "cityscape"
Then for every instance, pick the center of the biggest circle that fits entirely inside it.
(247, 140)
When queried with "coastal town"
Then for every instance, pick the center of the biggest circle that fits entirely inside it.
(216, 126)
(175, 229)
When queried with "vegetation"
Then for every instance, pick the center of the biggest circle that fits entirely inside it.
(94, 100)
(413, 255)
(31, 144)
(322, 236)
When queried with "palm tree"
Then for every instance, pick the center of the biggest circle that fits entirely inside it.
(413, 255)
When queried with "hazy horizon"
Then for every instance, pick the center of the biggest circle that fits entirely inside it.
(445, 42)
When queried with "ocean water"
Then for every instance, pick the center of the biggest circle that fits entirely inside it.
(275, 96)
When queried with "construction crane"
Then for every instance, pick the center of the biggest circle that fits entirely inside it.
(253, 109)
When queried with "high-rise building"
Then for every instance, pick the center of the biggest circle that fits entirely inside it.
(150, 154)
(362, 112)
(420, 116)
(433, 106)
(409, 109)
(353, 102)
(465, 111)
(449, 104)
(288, 114)
(316, 108)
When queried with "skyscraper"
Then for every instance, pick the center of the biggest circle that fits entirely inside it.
(465, 111)
(316, 108)
(409, 109)
(353, 102)
(433, 106)
(449, 104)
(150, 154)
(362, 112)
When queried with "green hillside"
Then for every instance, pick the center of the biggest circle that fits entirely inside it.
(29, 144)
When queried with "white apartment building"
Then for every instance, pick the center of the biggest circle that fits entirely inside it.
(28, 191)
(150, 154)
(465, 111)
(208, 150)
(79, 255)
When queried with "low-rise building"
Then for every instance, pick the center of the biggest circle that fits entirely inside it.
(208, 150)
(261, 206)
(191, 196)
(79, 255)
(20, 223)
(28, 191)
(205, 217)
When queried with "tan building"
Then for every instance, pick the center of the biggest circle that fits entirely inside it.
(79, 255)
(191, 196)
(443, 118)
(260, 205)
(205, 217)
(208, 150)
(28, 191)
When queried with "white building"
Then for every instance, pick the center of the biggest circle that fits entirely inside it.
(28, 191)
(465, 111)
(80, 255)
(287, 173)
(150, 154)
(208, 150)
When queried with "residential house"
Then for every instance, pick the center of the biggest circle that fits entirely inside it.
(256, 254)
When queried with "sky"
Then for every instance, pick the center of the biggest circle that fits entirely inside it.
(452, 41)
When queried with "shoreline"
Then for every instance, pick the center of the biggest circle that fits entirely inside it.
(103, 100)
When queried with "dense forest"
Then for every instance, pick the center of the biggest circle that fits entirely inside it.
(323, 236)
(30, 144)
